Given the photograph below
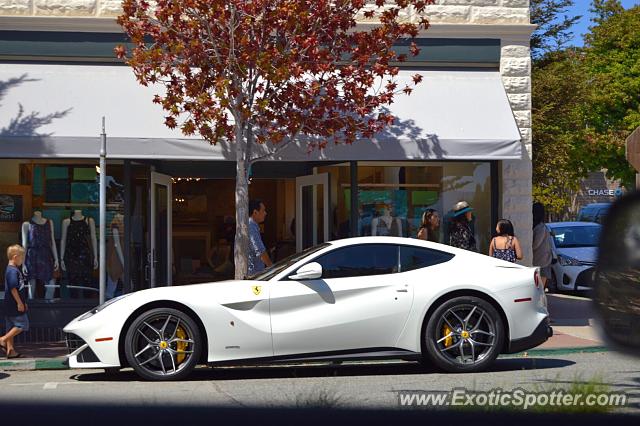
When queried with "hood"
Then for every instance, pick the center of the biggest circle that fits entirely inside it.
(583, 254)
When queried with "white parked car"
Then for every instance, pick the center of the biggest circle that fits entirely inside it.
(357, 298)
(575, 246)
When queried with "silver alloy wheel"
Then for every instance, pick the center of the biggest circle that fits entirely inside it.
(465, 334)
(163, 344)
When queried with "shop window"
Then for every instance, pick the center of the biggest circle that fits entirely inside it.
(60, 220)
(392, 196)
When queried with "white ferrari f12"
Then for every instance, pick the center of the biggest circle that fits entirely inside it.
(357, 298)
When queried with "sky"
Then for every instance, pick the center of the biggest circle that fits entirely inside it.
(581, 7)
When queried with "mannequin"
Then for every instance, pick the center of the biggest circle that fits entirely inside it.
(42, 256)
(385, 224)
(115, 257)
(79, 248)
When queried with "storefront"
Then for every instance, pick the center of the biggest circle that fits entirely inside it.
(170, 201)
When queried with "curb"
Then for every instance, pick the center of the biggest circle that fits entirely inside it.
(558, 351)
(60, 364)
(34, 364)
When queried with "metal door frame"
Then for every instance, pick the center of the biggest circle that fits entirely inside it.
(313, 181)
(164, 180)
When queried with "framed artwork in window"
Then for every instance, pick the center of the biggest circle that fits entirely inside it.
(15, 206)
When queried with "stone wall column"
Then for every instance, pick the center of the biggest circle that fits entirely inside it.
(516, 183)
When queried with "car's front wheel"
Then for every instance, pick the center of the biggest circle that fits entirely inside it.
(464, 334)
(163, 344)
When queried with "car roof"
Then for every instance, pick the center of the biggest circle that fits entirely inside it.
(397, 240)
(566, 224)
(378, 239)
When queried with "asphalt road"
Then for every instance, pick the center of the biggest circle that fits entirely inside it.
(571, 310)
(344, 386)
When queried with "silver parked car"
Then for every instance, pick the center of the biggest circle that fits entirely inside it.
(575, 246)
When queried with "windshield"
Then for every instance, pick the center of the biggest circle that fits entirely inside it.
(576, 236)
(283, 264)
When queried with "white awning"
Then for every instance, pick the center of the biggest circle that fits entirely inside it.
(55, 111)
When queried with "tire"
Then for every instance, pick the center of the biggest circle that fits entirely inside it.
(475, 333)
(163, 344)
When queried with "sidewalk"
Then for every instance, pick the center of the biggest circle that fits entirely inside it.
(37, 356)
(574, 329)
(571, 319)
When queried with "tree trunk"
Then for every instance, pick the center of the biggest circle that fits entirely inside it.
(242, 207)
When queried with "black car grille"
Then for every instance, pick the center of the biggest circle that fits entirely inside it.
(74, 343)
(585, 278)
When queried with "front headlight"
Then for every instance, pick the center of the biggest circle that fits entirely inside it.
(101, 307)
(568, 260)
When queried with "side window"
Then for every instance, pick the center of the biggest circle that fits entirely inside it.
(418, 257)
(360, 260)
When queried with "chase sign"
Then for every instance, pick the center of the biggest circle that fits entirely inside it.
(605, 192)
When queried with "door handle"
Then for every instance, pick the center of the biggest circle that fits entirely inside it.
(403, 289)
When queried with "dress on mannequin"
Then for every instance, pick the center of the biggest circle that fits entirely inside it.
(386, 225)
(39, 259)
(41, 255)
(78, 255)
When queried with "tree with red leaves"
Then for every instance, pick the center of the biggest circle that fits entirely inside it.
(259, 74)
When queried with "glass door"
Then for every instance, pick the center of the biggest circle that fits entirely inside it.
(312, 210)
(160, 255)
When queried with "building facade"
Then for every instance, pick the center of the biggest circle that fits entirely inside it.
(465, 133)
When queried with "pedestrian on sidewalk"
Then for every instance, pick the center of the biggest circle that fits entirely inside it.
(542, 251)
(460, 233)
(258, 256)
(505, 245)
(429, 226)
(15, 307)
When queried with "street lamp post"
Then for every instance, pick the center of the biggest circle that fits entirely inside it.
(103, 212)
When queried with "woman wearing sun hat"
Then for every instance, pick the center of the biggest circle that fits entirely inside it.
(460, 234)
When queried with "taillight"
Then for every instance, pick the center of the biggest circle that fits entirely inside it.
(536, 278)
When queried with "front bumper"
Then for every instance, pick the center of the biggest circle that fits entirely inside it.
(540, 335)
(81, 355)
(575, 277)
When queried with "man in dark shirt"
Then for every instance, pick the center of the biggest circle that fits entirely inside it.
(15, 307)
(258, 258)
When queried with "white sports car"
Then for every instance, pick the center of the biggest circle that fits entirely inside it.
(357, 298)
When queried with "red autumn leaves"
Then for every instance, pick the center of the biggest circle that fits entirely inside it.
(270, 70)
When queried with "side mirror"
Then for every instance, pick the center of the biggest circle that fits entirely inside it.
(310, 271)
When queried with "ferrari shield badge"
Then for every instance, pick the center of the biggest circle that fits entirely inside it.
(256, 289)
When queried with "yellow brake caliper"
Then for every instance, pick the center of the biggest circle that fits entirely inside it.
(181, 346)
(445, 332)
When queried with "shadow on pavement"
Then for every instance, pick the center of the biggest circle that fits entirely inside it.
(4, 376)
(343, 370)
(19, 413)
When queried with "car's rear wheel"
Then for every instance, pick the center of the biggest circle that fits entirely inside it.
(163, 344)
(464, 334)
